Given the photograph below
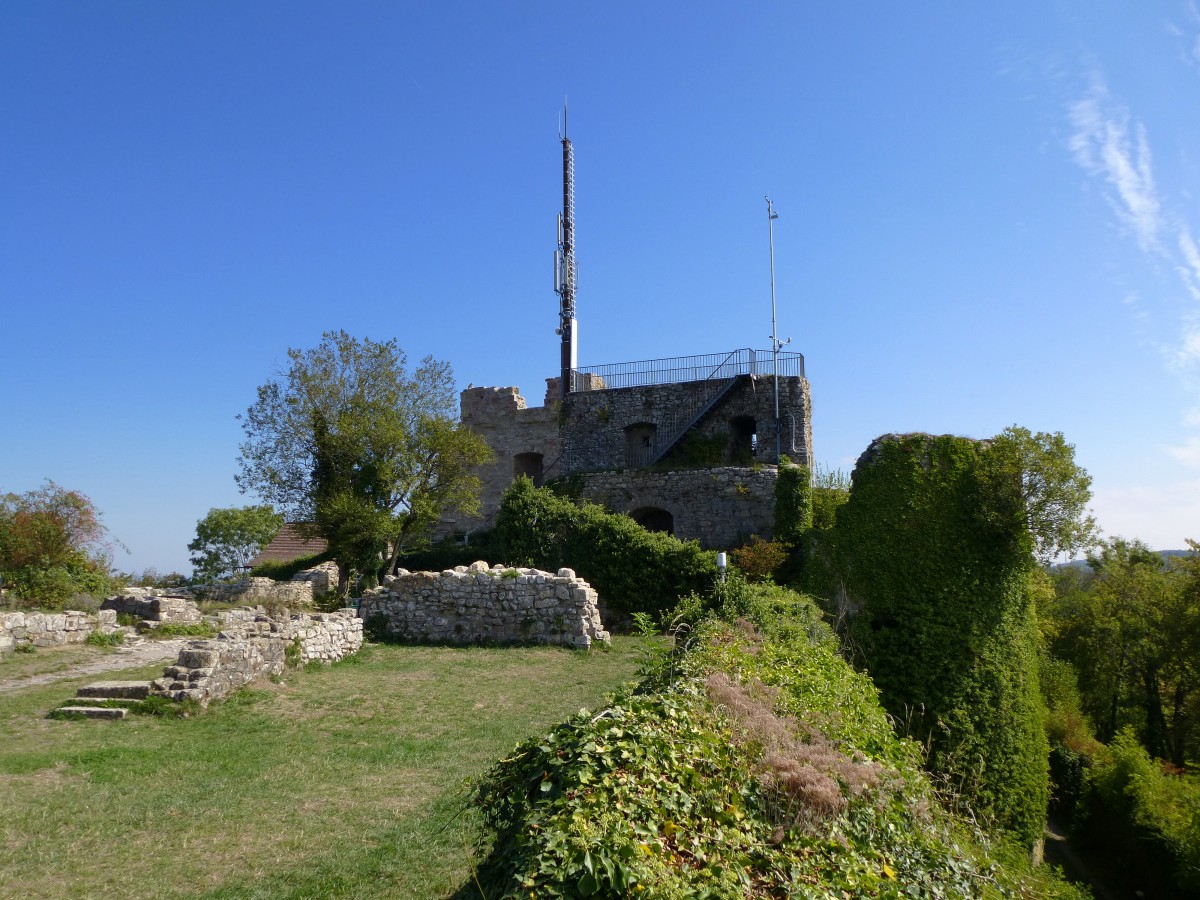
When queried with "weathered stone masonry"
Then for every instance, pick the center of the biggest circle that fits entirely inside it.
(718, 507)
(49, 629)
(598, 438)
(476, 603)
(256, 645)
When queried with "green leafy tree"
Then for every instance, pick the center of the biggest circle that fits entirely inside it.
(366, 452)
(1045, 488)
(227, 539)
(53, 545)
(1131, 627)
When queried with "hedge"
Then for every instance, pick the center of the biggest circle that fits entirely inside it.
(632, 569)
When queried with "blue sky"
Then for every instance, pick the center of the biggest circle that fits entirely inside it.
(988, 215)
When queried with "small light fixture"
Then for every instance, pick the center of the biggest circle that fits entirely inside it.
(721, 565)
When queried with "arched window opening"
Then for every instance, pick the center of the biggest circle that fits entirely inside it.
(744, 445)
(639, 444)
(529, 464)
(654, 519)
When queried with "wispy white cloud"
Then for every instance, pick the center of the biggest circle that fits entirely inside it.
(1186, 355)
(1105, 145)
(1112, 146)
(1189, 270)
(1187, 453)
(1191, 417)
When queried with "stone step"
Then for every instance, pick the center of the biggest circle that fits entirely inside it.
(132, 690)
(95, 712)
(107, 701)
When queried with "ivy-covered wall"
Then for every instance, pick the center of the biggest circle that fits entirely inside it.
(937, 565)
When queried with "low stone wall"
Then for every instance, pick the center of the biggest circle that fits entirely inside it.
(148, 604)
(49, 629)
(254, 645)
(476, 603)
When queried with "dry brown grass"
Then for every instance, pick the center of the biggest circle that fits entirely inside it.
(805, 777)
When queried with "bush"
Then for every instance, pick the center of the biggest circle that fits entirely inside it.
(830, 490)
(767, 770)
(632, 569)
(283, 571)
(448, 553)
(759, 559)
(1146, 818)
(99, 639)
(793, 502)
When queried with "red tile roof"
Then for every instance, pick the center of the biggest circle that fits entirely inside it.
(289, 545)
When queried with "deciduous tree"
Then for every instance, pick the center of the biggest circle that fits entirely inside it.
(53, 545)
(369, 454)
(227, 539)
(1050, 491)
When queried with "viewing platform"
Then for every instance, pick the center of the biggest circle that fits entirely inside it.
(681, 369)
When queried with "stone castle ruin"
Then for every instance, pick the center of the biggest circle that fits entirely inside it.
(686, 445)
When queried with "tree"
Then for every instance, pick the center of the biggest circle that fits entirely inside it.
(1047, 489)
(364, 452)
(1132, 631)
(227, 539)
(53, 545)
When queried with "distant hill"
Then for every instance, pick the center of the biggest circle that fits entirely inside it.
(1082, 563)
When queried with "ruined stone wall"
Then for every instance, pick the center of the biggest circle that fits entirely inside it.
(250, 648)
(290, 594)
(595, 422)
(501, 417)
(50, 629)
(324, 578)
(477, 603)
(154, 605)
(720, 508)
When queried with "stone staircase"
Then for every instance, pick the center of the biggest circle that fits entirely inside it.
(106, 699)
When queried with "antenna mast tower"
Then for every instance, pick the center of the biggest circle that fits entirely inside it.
(564, 267)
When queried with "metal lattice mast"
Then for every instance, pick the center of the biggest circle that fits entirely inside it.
(564, 268)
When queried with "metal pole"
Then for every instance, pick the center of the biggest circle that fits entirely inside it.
(771, 217)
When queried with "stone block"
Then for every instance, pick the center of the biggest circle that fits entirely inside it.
(135, 690)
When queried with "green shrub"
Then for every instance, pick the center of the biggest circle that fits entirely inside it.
(768, 770)
(1146, 818)
(793, 502)
(830, 491)
(448, 553)
(632, 569)
(283, 571)
(759, 559)
(98, 639)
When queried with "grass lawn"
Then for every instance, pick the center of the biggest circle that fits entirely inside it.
(346, 781)
(48, 660)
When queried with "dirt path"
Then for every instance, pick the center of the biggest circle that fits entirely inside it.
(1081, 867)
(123, 658)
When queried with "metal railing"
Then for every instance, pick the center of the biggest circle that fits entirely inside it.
(678, 369)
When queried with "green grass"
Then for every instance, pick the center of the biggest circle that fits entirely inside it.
(48, 660)
(348, 781)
